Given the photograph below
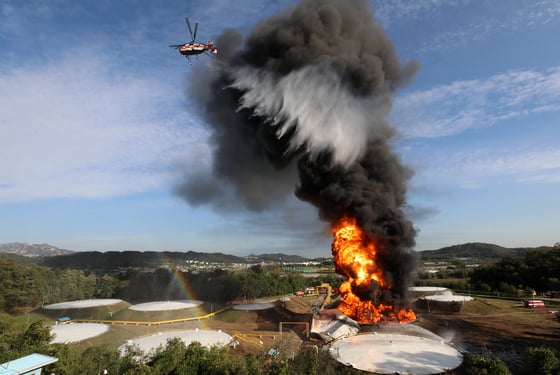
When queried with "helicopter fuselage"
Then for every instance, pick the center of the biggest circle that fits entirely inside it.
(196, 48)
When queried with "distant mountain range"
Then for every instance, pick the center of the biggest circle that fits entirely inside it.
(32, 250)
(56, 257)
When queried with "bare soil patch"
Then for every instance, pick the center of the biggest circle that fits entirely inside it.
(499, 328)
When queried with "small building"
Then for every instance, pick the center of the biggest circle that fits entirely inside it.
(311, 291)
(29, 365)
(534, 304)
(63, 319)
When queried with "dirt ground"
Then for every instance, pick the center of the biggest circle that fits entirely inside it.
(498, 328)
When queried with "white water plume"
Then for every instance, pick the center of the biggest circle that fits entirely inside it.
(313, 101)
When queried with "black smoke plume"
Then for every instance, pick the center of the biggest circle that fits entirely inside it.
(302, 104)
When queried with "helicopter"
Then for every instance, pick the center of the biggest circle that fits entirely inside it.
(194, 47)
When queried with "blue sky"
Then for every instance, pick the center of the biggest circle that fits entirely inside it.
(96, 130)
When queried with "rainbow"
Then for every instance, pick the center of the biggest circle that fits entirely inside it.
(187, 291)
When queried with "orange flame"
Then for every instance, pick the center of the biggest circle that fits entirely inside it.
(362, 295)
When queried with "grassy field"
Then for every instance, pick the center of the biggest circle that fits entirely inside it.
(238, 316)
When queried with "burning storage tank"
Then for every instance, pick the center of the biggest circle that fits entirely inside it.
(367, 293)
(384, 348)
(387, 346)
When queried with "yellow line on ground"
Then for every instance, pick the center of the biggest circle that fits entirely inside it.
(132, 322)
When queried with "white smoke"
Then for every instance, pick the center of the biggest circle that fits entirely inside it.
(314, 101)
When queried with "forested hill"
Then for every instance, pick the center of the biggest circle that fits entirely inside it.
(115, 259)
(276, 257)
(475, 250)
(152, 259)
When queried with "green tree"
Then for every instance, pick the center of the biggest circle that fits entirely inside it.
(475, 364)
(69, 361)
(33, 339)
(543, 265)
(538, 270)
(9, 329)
(17, 339)
(253, 365)
(107, 286)
(306, 362)
(542, 361)
(278, 367)
(197, 357)
(20, 284)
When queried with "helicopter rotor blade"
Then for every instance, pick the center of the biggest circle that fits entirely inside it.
(195, 30)
(190, 30)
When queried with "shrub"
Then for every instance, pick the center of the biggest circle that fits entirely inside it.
(475, 364)
(542, 361)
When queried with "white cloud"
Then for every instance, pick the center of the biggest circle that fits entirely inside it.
(390, 11)
(552, 177)
(78, 129)
(456, 107)
(536, 160)
(481, 167)
(213, 12)
(543, 12)
(465, 21)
